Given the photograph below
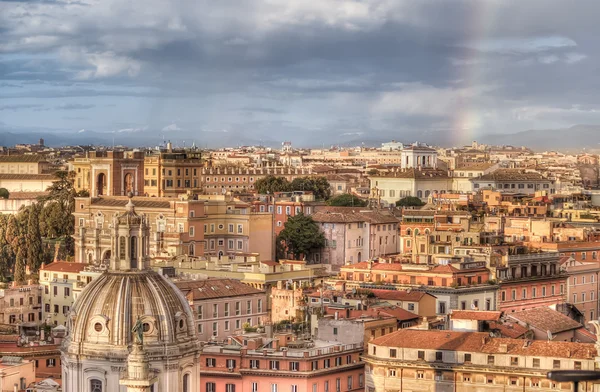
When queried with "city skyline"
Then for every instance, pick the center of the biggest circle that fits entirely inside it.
(348, 71)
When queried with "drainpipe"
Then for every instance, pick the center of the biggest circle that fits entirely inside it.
(401, 378)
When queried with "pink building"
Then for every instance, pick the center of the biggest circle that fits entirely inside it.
(257, 364)
(582, 286)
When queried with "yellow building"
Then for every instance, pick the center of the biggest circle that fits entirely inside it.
(62, 282)
(23, 164)
(170, 173)
(231, 227)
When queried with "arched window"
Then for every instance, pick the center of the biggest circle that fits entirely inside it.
(408, 232)
(186, 383)
(133, 252)
(192, 248)
(420, 194)
(95, 385)
(416, 231)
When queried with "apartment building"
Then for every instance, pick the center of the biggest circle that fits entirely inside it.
(582, 286)
(530, 280)
(110, 173)
(21, 304)
(229, 179)
(23, 164)
(171, 173)
(514, 180)
(176, 226)
(60, 280)
(355, 234)
(445, 361)
(229, 226)
(223, 307)
(256, 364)
(284, 205)
(462, 285)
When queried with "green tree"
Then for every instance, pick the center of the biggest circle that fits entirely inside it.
(301, 235)
(21, 260)
(4, 194)
(410, 201)
(35, 254)
(318, 185)
(5, 248)
(347, 200)
(271, 184)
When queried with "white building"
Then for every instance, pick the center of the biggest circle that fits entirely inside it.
(419, 157)
(392, 146)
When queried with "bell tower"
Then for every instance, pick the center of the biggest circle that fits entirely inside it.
(130, 245)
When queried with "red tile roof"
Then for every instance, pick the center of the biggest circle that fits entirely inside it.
(399, 295)
(475, 315)
(545, 319)
(64, 266)
(444, 268)
(481, 342)
(508, 329)
(215, 288)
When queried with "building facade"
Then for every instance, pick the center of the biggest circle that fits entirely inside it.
(110, 173)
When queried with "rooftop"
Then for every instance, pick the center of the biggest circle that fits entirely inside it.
(478, 315)
(64, 266)
(545, 319)
(480, 342)
(215, 288)
(22, 158)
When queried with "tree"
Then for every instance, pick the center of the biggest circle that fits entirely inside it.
(4, 194)
(410, 201)
(347, 200)
(35, 254)
(271, 184)
(58, 208)
(21, 260)
(301, 235)
(318, 185)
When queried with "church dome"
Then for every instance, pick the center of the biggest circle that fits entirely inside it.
(107, 309)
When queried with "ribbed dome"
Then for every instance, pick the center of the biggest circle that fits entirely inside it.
(107, 309)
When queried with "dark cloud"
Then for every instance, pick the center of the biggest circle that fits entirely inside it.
(344, 67)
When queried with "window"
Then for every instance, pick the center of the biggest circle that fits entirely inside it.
(420, 374)
(274, 365)
(361, 380)
(466, 377)
(556, 364)
(95, 385)
(200, 310)
(215, 328)
(335, 331)
(294, 388)
(315, 365)
(211, 387)
(467, 357)
(294, 366)
(490, 359)
(248, 307)
(393, 353)
(259, 306)
(514, 361)
(254, 364)
(191, 230)
(254, 387)
(338, 361)
(421, 355)
(215, 310)
(226, 325)
(411, 307)
(51, 362)
(326, 385)
(237, 308)
(338, 385)
(230, 363)
(211, 362)
(536, 362)
(273, 387)
(226, 309)
(438, 356)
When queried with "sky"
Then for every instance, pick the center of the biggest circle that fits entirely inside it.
(217, 72)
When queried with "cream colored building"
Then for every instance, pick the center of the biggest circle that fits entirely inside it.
(393, 186)
(23, 164)
(62, 282)
(26, 182)
(445, 361)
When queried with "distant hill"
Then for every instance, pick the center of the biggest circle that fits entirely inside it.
(575, 137)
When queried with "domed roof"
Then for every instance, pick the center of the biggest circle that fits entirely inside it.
(107, 309)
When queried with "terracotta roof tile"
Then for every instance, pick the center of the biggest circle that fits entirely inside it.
(65, 266)
(25, 177)
(122, 202)
(480, 342)
(398, 295)
(508, 329)
(545, 319)
(215, 288)
(475, 315)
(23, 158)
